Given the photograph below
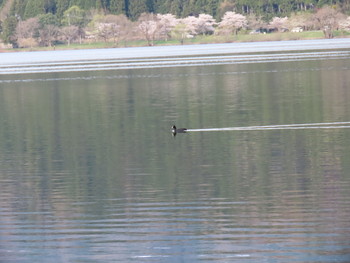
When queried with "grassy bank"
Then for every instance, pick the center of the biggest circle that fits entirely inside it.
(208, 39)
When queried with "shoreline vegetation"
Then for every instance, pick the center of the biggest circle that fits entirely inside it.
(71, 25)
(210, 39)
(206, 39)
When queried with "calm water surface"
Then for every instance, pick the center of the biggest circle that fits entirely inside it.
(89, 171)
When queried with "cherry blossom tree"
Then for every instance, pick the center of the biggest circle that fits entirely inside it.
(345, 24)
(166, 23)
(232, 22)
(205, 24)
(190, 23)
(191, 26)
(279, 23)
(107, 30)
(148, 27)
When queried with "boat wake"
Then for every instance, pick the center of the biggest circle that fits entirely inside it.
(326, 125)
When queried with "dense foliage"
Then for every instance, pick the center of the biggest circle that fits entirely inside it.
(30, 23)
(180, 8)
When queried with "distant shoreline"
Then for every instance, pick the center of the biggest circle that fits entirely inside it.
(211, 39)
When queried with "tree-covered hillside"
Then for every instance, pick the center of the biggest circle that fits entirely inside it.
(181, 8)
(31, 23)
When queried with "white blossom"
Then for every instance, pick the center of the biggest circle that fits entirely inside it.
(345, 24)
(166, 23)
(279, 23)
(232, 22)
(191, 23)
(205, 24)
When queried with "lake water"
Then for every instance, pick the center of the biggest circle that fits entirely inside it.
(90, 172)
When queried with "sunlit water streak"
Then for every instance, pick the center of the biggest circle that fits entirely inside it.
(214, 229)
(169, 75)
(328, 125)
(115, 64)
(98, 55)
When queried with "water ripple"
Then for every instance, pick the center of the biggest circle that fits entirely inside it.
(165, 76)
(221, 230)
(118, 64)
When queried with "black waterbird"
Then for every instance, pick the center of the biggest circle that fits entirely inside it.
(175, 130)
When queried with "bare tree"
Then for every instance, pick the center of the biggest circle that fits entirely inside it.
(74, 16)
(328, 19)
(69, 33)
(148, 27)
(125, 27)
(304, 20)
(48, 34)
(255, 22)
(25, 32)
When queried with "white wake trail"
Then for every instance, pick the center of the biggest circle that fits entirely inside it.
(322, 125)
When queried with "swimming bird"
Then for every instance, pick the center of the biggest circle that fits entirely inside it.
(175, 130)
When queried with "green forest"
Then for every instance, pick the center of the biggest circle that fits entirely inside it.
(181, 8)
(49, 23)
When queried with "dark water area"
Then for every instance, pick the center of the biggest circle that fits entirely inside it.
(90, 172)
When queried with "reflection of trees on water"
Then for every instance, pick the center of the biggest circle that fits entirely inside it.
(91, 135)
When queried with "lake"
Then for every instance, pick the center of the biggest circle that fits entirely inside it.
(90, 171)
